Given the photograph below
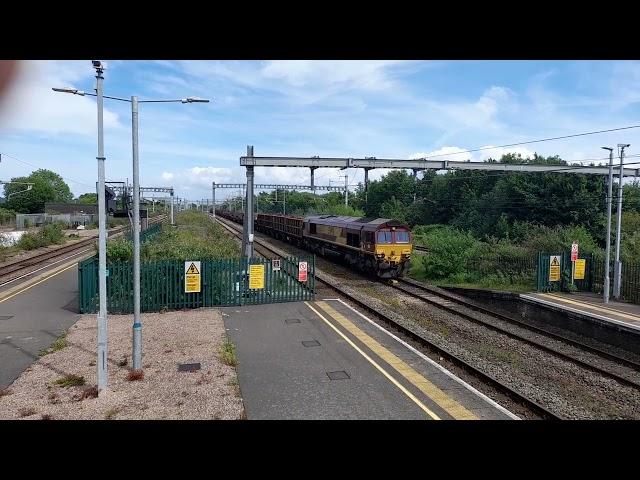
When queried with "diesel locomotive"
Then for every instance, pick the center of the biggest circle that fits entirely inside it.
(380, 246)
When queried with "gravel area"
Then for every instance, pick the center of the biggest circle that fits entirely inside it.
(568, 390)
(169, 339)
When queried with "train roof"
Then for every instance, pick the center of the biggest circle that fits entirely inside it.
(355, 223)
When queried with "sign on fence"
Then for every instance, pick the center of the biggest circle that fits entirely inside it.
(574, 251)
(580, 268)
(554, 268)
(256, 276)
(192, 276)
(302, 272)
(275, 264)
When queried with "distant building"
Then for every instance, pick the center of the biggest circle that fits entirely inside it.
(72, 208)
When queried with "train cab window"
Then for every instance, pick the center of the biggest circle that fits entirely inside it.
(312, 228)
(353, 239)
(402, 237)
(383, 237)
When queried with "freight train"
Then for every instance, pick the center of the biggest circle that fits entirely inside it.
(380, 246)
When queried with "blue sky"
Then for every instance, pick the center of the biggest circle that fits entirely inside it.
(392, 109)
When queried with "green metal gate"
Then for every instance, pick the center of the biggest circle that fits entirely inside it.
(543, 284)
(223, 282)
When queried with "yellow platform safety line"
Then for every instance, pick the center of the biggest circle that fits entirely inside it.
(426, 409)
(630, 316)
(443, 400)
(18, 289)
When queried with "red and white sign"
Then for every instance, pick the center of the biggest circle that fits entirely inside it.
(574, 251)
(302, 272)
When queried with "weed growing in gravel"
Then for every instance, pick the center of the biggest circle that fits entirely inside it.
(4, 392)
(25, 412)
(111, 413)
(134, 375)
(60, 343)
(235, 385)
(88, 392)
(70, 381)
(123, 362)
(228, 354)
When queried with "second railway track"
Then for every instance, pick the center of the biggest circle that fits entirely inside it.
(25, 266)
(605, 363)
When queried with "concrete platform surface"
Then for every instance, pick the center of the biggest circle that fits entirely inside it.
(31, 318)
(590, 304)
(325, 360)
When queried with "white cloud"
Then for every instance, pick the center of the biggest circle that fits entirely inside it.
(454, 154)
(347, 73)
(31, 105)
(167, 176)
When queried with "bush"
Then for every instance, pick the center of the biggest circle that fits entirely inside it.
(537, 238)
(49, 234)
(448, 250)
(7, 216)
(119, 249)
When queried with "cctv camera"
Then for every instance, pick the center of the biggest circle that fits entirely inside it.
(97, 64)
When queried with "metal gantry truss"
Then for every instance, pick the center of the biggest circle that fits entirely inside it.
(273, 186)
(369, 163)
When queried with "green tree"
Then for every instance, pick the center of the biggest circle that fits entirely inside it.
(88, 198)
(48, 187)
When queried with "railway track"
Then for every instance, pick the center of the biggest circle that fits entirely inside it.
(597, 360)
(530, 404)
(11, 271)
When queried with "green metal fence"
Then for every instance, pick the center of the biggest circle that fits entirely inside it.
(543, 284)
(146, 234)
(630, 285)
(223, 282)
(514, 269)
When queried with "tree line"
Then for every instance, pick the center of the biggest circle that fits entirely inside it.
(48, 187)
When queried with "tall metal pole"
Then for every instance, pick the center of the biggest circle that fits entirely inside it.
(366, 185)
(213, 198)
(248, 213)
(171, 208)
(137, 325)
(607, 281)
(313, 183)
(102, 243)
(617, 271)
(346, 190)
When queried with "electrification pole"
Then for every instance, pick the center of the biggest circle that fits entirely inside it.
(617, 270)
(607, 282)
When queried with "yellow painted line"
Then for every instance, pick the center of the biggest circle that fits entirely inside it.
(426, 409)
(443, 400)
(630, 316)
(21, 288)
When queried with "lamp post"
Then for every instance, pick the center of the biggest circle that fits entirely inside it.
(101, 363)
(617, 268)
(607, 281)
(137, 325)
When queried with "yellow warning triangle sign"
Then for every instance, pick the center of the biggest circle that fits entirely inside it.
(554, 262)
(193, 270)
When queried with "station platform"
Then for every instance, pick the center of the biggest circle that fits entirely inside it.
(326, 360)
(591, 305)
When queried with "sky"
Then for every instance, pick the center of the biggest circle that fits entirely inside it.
(386, 109)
